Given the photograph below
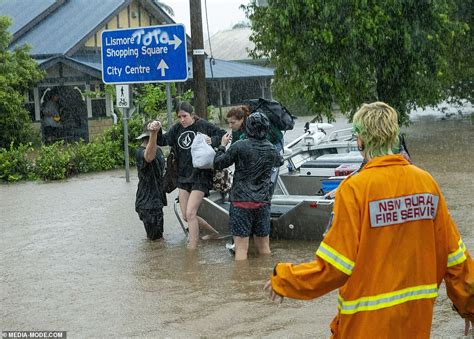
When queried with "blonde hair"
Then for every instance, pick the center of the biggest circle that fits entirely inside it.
(377, 125)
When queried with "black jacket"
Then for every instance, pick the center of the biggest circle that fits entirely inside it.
(150, 193)
(180, 139)
(254, 160)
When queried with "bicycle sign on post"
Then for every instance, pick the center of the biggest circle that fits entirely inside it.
(123, 96)
(143, 55)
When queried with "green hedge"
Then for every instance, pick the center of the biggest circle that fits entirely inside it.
(15, 164)
(59, 160)
(52, 162)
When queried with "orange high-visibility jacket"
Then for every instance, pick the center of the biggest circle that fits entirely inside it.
(391, 243)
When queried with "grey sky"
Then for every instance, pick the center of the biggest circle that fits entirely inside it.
(223, 14)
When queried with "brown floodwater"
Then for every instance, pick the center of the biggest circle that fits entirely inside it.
(74, 258)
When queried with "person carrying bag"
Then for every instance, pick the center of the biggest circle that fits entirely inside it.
(202, 153)
(193, 183)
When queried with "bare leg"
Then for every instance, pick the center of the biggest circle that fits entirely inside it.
(183, 205)
(183, 202)
(203, 224)
(194, 201)
(263, 245)
(241, 247)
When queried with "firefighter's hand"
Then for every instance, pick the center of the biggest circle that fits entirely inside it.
(272, 295)
(467, 325)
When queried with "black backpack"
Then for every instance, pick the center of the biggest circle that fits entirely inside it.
(278, 115)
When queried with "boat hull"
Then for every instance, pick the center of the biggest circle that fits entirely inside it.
(292, 217)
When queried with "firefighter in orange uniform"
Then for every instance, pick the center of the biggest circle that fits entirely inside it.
(391, 243)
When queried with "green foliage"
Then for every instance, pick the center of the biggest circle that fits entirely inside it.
(52, 162)
(351, 52)
(92, 157)
(186, 96)
(298, 107)
(151, 99)
(460, 82)
(59, 161)
(17, 73)
(213, 115)
(114, 137)
(15, 164)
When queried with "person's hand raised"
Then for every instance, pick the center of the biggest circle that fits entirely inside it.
(154, 126)
(226, 138)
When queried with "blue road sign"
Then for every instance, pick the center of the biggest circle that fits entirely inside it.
(144, 54)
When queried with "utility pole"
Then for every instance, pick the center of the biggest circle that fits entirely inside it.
(199, 74)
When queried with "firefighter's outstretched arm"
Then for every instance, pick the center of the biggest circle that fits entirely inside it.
(334, 260)
(307, 280)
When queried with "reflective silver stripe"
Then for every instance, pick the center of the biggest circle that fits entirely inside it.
(335, 258)
(385, 300)
(457, 256)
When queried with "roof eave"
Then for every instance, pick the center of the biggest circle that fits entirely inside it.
(73, 64)
(93, 31)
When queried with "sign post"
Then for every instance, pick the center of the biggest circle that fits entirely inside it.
(123, 102)
(125, 143)
(143, 55)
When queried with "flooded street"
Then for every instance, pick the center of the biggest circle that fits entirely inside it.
(74, 257)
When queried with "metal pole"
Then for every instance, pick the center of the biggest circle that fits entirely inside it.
(199, 77)
(125, 143)
(168, 105)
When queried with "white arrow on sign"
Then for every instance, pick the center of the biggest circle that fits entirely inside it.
(176, 42)
(162, 66)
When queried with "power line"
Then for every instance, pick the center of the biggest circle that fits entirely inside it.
(211, 59)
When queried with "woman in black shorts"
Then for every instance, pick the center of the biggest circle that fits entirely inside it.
(193, 183)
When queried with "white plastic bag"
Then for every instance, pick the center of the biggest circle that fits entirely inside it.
(202, 153)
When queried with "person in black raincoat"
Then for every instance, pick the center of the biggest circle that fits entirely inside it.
(151, 196)
(250, 195)
(193, 183)
(236, 119)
